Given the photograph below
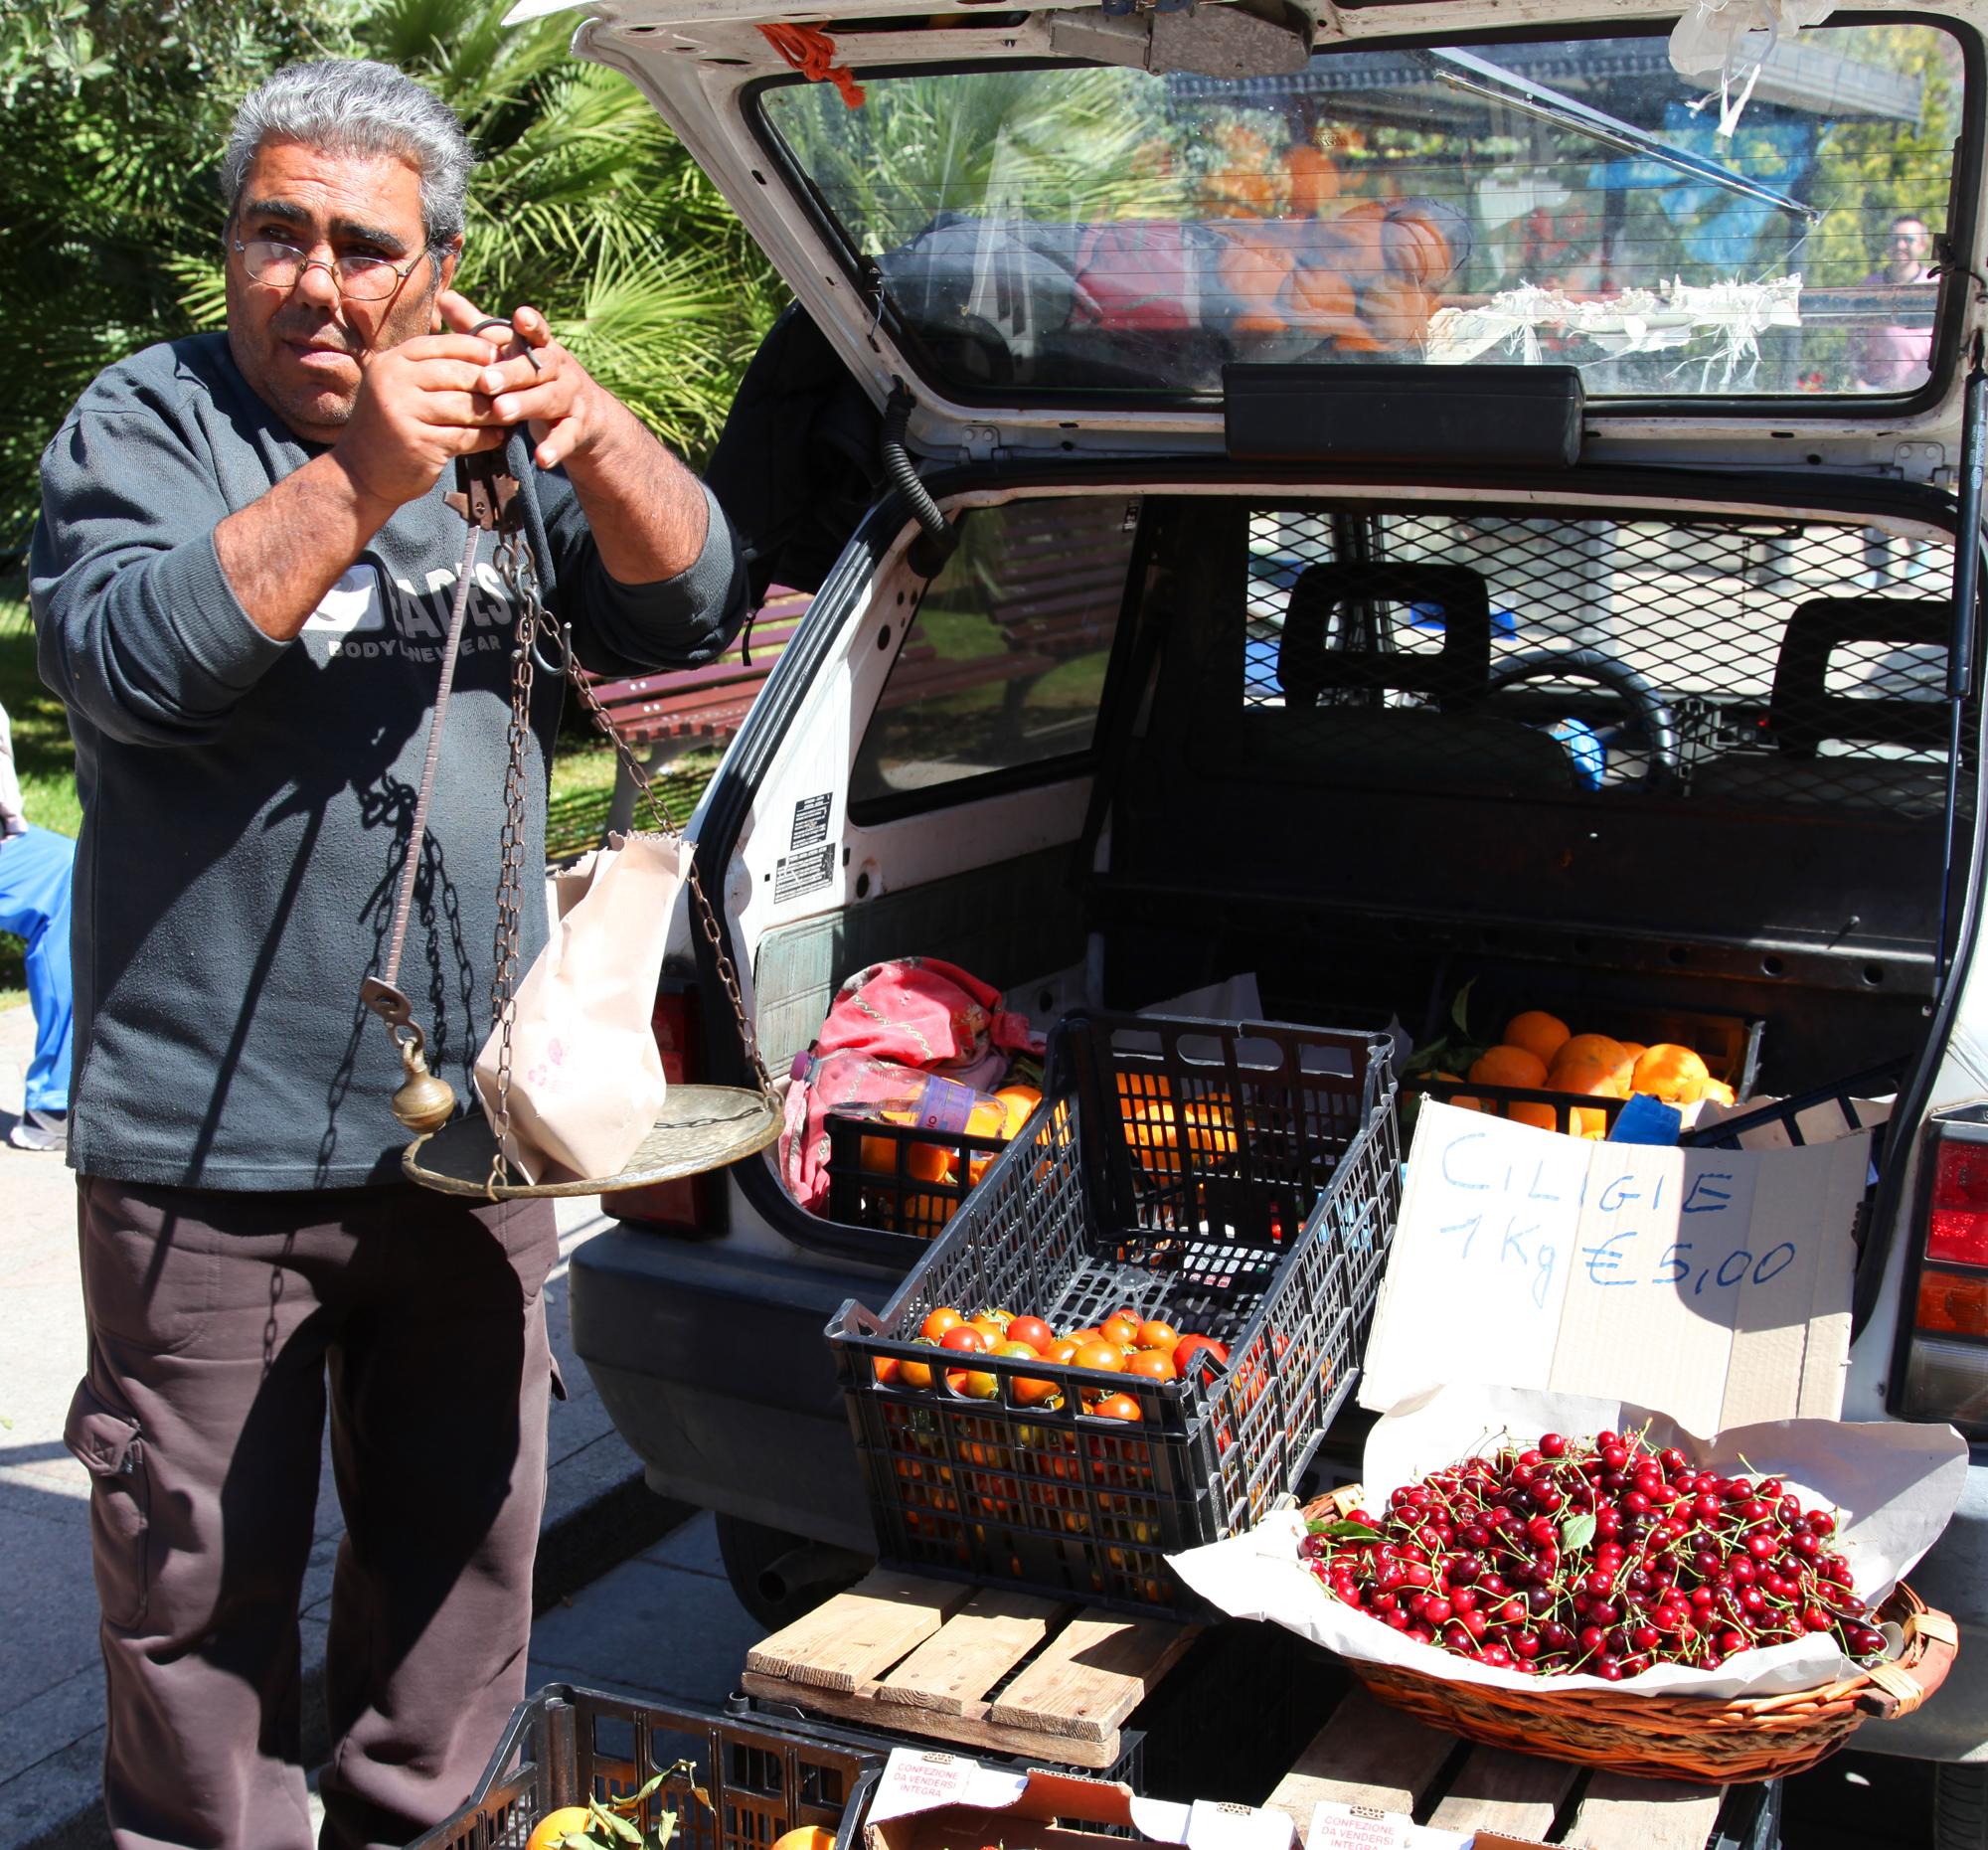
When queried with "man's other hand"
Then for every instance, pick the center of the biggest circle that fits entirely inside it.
(420, 406)
(535, 381)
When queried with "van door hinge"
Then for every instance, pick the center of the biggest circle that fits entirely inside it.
(980, 443)
(1922, 463)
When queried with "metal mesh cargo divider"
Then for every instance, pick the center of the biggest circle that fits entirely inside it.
(1237, 1180)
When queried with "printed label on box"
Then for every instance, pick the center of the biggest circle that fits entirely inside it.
(1363, 1827)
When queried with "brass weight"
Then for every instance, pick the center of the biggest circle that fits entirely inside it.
(424, 1101)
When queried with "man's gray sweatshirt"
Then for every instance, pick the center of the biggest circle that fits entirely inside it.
(246, 802)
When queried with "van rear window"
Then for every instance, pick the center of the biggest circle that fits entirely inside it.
(1793, 667)
(1100, 230)
(1003, 665)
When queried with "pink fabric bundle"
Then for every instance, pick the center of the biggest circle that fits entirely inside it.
(914, 1039)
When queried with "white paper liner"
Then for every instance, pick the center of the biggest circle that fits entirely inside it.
(1893, 1485)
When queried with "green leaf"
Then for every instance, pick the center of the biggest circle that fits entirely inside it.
(1348, 1532)
(1576, 1532)
(1459, 1010)
(617, 1828)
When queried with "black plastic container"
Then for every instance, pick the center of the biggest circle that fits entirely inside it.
(1238, 1181)
(879, 1179)
(763, 1778)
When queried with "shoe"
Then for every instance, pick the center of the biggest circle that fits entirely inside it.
(40, 1131)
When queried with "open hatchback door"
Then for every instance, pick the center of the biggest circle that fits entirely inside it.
(1060, 225)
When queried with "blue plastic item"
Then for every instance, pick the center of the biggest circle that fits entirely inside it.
(1584, 749)
(1644, 1119)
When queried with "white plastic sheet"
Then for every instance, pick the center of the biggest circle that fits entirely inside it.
(1731, 38)
(1732, 315)
(1893, 1485)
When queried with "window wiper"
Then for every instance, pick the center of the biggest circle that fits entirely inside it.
(1478, 76)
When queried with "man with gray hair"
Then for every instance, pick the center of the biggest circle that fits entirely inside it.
(240, 581)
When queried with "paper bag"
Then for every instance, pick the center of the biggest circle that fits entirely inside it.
(587, 1080)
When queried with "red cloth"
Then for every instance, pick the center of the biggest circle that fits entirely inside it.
(916, 1039)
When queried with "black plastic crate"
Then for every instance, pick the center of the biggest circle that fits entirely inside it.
(1241, 1181)
(881, 1176)
(1729, 1045)
(764, 1776)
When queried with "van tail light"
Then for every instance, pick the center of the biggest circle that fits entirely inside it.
(1946, 1356)
(680, 1205)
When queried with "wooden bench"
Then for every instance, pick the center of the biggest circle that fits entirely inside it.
(665, 713)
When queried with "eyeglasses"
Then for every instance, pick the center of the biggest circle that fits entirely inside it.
(280, 266)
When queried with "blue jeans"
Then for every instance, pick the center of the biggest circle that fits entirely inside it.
(33, 905)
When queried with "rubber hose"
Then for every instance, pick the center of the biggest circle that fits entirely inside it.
(935, 547)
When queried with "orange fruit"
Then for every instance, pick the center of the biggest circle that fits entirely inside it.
(1020, 1102)
(805, 1837)
(1310, 178)
(1634, 1048)
(557, 1826)
(1717, 1092)
(1593, 1050)
(1508, 1066)
(1538, 1032)
(1671, 1072)
(1527, 1111)
(1234, 194)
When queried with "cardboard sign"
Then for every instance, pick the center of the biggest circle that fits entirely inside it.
(1713, 1283)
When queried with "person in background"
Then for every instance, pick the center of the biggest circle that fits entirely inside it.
(35, 868)
(1896, 358)
(244, 571)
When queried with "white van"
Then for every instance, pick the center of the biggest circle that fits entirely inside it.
(1376, 494)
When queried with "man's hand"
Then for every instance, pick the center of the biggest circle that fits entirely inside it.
(536, 382)
(645, 509)
(421, 407)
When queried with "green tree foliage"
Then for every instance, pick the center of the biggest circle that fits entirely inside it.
(114, 113)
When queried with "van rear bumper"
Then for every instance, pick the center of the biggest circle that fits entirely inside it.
(711, 1365)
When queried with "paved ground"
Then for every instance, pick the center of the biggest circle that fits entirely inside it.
(50, 1677)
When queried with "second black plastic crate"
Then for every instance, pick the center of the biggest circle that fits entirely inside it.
(1239, 1181)
(902, 1182)
(754, 1779)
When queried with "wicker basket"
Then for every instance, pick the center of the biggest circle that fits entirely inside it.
(1713, 1741)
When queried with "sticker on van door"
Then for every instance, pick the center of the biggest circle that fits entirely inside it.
(802, 873)
(810, 821)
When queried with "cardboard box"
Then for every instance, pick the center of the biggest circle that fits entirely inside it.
(1711, 1284)
(946, 1802)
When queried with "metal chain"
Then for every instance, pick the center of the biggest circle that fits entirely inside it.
(521, 577)
(536, 628)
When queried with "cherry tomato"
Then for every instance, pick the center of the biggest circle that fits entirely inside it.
(885, 1367)
(1118, 1406)
(918, 1375)
(1089, 1334)
(990, 1326)
(972, 1384)
(938, 1322)
(1191, 1346)
(967, 1337)
(1158, 1336)
(1027, 1390)
(1102, 1355)
(1064, 1349)
(1033, 1331)
(1120, 1329)
(1153, 1363)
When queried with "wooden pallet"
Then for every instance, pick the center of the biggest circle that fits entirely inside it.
(986, 1668)
(1368, 1754)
